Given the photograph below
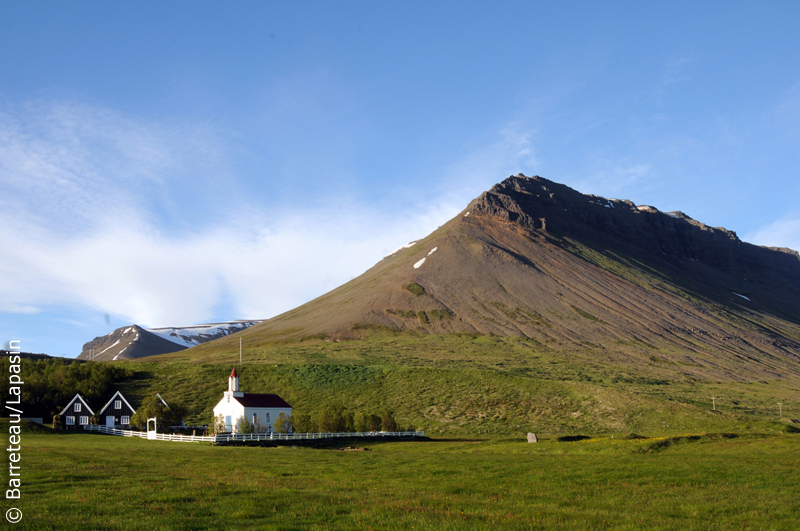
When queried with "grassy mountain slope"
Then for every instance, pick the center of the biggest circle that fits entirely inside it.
(536, 308)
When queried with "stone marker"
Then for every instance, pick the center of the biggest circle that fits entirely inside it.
(532, 438)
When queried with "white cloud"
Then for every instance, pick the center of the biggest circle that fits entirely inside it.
(96, 196)
(783, 233)
(510, 152)
(82, 224)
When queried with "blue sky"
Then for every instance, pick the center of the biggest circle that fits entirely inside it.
(174, 163)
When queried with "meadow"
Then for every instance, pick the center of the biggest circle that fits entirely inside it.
(694, 481)
(465, 385)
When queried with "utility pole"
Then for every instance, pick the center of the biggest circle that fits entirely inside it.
(780, 410)
(714, 403)
(240, 352)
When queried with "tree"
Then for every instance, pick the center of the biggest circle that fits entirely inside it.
(282, 424)
(303, 423)
(389, 424)
(335, 418)
(243, 425)
(217, 426)
(361, 422)
(57, 425)
(374, 423)
(165, 415)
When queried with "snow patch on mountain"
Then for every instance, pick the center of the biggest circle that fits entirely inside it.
(190, 336)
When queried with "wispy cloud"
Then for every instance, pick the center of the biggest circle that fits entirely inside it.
(88, 191)
(508, 151)
(783, 233)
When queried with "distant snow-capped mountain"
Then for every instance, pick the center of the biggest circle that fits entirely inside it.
(189, 336)
(133, 341)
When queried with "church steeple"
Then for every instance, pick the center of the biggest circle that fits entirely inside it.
(233, 381)
(233, 384)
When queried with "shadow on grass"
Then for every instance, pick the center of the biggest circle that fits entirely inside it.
(683, 439)
(572, 438)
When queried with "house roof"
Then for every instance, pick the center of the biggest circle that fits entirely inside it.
(261, 400)
(162, 400)
(112, 399)
(77, 397)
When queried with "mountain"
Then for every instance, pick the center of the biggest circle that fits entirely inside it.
(133, 341)
(581, 274)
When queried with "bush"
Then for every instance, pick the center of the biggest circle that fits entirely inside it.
(165, 415)
(243, 425)
(303, 423)
(217, 426)
(282, 424)
(361, 422)
(335, 418)
(389, 424)
(414, 288)
(375, 423)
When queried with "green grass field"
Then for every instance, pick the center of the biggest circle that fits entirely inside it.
(459, 384)
(477, 397)
(91, 481)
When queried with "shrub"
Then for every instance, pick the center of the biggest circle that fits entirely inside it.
(389, 424)
(303, 423)
(282, 424)
(414, 288)
(165, 415)
(361, 422)
(335, 418)
(243, 425)
(217, 426)
(375, 423)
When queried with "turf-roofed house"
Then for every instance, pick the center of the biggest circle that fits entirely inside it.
(260, 411)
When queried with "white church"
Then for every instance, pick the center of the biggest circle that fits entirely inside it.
(260, 409)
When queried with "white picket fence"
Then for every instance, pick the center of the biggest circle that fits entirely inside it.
(228, 437)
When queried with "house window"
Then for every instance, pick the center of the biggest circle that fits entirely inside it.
(84, 421)
(77, 408)
(117, 404)
(70, 421)
(125, 420)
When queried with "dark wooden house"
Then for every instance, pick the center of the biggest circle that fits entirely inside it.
(116, 413)
(77, 414)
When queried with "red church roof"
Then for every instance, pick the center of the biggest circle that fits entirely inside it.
(261, 400)
(233, 373)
